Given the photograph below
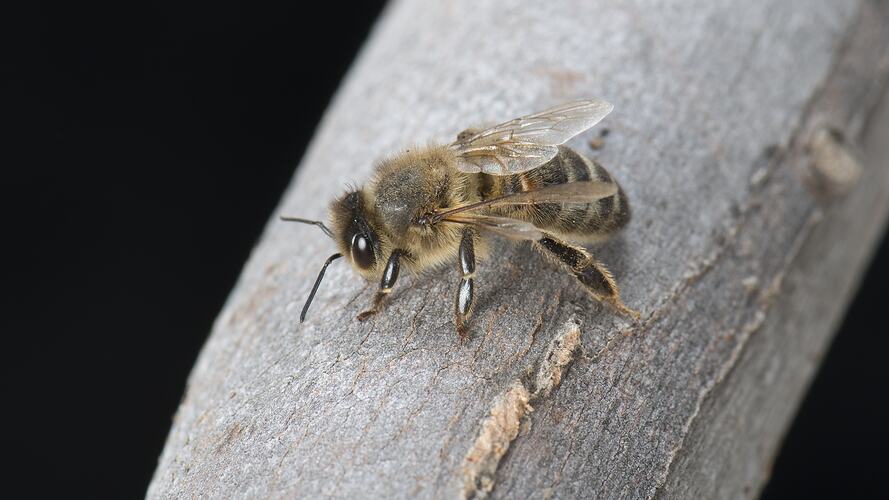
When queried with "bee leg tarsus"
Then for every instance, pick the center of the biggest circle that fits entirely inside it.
(365, 315)
(377, 306)
(622, 308)
(462, 332)
(466, 291)
(390, 275)
(463, 305)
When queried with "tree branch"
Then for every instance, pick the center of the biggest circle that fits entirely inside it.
(736, 132)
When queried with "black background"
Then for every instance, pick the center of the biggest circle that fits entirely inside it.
(149, 145)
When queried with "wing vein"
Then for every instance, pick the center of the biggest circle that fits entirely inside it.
(527, 142)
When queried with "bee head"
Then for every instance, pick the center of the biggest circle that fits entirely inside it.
(354, 232)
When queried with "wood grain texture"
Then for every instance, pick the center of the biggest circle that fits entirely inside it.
(741, 257)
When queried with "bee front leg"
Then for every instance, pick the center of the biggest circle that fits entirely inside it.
(592, 274)
(390, 275)
(466, 292)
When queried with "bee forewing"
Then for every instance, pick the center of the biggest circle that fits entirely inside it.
(572, 192)
(510, 228)
(527, 142)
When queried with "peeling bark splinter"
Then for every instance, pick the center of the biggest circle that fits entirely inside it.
(509, 410)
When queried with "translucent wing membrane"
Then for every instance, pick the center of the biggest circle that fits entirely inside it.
(573, 192)
(504, 226)
(527, 142)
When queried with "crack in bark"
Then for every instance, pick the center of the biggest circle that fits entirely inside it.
(746, 332)
(800, 148)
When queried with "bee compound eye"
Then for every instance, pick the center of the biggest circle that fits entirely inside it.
(362, 252)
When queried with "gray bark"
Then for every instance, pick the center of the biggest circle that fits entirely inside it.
(737, 134)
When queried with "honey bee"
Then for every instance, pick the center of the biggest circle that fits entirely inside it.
(430, 206)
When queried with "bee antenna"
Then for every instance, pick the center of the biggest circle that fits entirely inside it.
(302, 315)
(312, 222)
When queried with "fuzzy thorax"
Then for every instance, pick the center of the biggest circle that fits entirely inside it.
(404, 189)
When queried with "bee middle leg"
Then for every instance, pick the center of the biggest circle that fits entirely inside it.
(466, 292)
(387, 282)
(591, 273)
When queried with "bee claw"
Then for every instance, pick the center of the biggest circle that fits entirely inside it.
(622, 308)
(365, 315)
(462, 333)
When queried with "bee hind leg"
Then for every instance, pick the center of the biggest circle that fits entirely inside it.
(591, 273)
(387, 282)
(466, 292)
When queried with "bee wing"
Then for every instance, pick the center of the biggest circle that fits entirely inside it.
(504, 226)
(572, 192)
(527, 142)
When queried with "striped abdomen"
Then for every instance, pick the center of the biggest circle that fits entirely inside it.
(585, 222)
